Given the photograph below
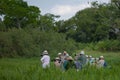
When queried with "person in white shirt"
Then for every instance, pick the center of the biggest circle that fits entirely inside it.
(45, 59)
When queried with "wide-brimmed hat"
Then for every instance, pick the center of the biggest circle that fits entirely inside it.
(69, 58)
(65, 52)
(101, 56)
(59, 53)
(45, 52)
(82, 52)
(90, 56)
(86, 55)
(57, 58)
(97, 58)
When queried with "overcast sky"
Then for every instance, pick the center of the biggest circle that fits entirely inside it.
(65, 8)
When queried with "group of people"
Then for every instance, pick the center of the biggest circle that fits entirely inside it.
(64, 61)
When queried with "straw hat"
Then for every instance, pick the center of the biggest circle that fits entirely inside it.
(69, 58)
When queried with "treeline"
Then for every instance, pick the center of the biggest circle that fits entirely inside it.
(25, 32)
(100, 22)
(31, 42)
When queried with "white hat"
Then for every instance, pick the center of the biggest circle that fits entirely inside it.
(57, 58)
(69, 58)
(93, 58)
(101, 57)
(45, 52)
(82, 52)
(97, 58)
(90, 56)
(64, 52)
(59, 53)
(86, 55)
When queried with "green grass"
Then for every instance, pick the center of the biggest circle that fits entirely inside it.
(30, 69)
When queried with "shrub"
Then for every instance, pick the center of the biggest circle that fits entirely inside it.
(108, 45)
(29, 43)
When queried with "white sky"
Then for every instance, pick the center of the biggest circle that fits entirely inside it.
(65, 8)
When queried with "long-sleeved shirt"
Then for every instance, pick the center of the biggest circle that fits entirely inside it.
(45, 59)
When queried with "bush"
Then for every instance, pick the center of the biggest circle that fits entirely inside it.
(108, 45)
(32, 42)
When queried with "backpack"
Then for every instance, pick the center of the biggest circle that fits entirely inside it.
(105, 64)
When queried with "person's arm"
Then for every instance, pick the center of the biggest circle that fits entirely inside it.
(42, 59)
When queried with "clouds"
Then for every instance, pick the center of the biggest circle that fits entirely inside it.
(61, 9)
(64, 8)
(67, 10)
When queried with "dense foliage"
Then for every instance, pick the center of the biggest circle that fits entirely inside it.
(25, 32)
(29, 42)
(100, 22)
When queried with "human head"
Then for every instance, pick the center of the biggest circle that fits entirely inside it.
(57, 58)
(59, 54)
(45, 52)
(90, 56)
(86, 56)
(101, 57)
(64, 53)
(82, 53)
(96, 58)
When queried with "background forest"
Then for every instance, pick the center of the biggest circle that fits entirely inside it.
(25, 32)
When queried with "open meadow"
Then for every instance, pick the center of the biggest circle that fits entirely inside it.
(30, 28)
(30, 69)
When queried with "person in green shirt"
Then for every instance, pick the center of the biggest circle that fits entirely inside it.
(68, 63)
(82, 59)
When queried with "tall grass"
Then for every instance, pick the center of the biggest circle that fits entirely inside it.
(30, 69)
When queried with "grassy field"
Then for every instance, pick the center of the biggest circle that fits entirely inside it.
(30, 69)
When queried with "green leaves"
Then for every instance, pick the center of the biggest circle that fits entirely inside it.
(94, 24)
(18, 14)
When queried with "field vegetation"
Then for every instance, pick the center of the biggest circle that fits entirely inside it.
(30, 69)
(25, 33)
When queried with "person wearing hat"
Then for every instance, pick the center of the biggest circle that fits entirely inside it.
(82, 58)
(60, 56)
(45, 59)
(87, 61)
(68, 63)
(57, 62)
(96, 61)
(101, 62)
(90, 59)
(63, 57)
(77, 62)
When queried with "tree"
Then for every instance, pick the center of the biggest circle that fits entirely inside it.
(18, 13)
(47, 22)
(93, 24)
